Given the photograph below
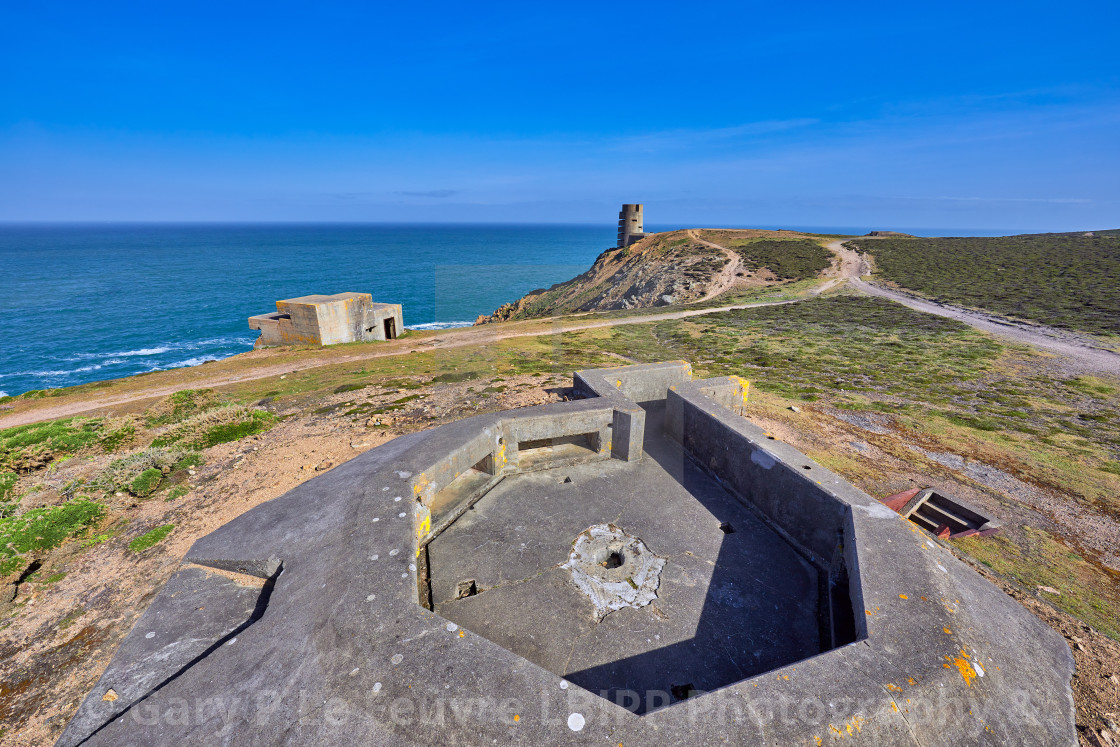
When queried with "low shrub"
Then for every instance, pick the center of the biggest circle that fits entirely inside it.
(150, 539)
(145, 483)
(216, 426)
(43, 529)
(125, 474)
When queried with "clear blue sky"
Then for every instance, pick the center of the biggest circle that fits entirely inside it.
(979, 114)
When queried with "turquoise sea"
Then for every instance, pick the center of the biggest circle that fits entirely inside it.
(82, 303)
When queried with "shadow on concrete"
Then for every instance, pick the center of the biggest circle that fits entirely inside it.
(759, 612)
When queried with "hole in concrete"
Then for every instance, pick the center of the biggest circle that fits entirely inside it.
(726, 528)
(566, 480)
(805, 466)
(612, 560)
(682, 692)
(546, 452)
(770, 437)
(466, 589)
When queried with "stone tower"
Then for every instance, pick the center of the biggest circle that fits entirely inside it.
(630, 227)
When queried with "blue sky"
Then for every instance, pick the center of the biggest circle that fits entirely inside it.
(991, 115)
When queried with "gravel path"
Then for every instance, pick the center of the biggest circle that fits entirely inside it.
(1079, 354)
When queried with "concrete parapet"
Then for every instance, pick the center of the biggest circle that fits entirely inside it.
(340, 645)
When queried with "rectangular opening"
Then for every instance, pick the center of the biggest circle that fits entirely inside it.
(547, 452)
(463, 490)
(938, 512)
(390, 328)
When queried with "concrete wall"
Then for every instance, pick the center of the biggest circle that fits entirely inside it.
(630, 222)
(328, 320)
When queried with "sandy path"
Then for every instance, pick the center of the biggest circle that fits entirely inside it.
(727, 275)
(1079, 353)
(451, 339)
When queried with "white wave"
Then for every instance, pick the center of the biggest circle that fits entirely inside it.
(3, 394)
(439, 325)
(186, 363)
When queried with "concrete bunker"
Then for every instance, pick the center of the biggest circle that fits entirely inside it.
(328, 320)
(779, 604)
(720, 604)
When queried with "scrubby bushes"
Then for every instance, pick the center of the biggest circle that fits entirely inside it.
(789, 259)
(216, 426)
(1062, 280)
(142, 473)
(26, 448)
(42, 529)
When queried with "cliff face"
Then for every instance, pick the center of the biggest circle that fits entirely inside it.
(667, 268)
(677, 267)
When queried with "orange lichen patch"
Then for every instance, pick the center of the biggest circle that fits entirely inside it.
(903, 596)
(947, 631)
(909, 681)
(516, 717)
(923, 599)
(894, 706)
(819, 741)
(966, 670)
(893, 687)
(849, 728)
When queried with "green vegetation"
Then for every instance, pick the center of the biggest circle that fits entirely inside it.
(42, 529)
(142, 473)
(182, 405)
(146, 482)
(1040, 559)
(1062, 280)
(29, 447)
(789, 259)
(150, 539)
(216, 426)
(8, 482)
(177, 492)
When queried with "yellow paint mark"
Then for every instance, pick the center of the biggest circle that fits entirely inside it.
(966, 670)
(903, 596)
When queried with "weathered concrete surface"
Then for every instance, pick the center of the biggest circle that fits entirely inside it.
(328, 320)
(343, 652)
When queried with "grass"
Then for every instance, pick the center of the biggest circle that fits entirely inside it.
(151, 538)
(1063, 280)
(142, 473)
(216, 426)
(1037, 558)
(788, 259)
(181, 405)
(26, 448)
(43, 529)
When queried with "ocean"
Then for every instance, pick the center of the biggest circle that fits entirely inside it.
(89, 302)
(82, 303)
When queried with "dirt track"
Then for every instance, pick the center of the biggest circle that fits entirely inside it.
(1078, 353)
(451, 339)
